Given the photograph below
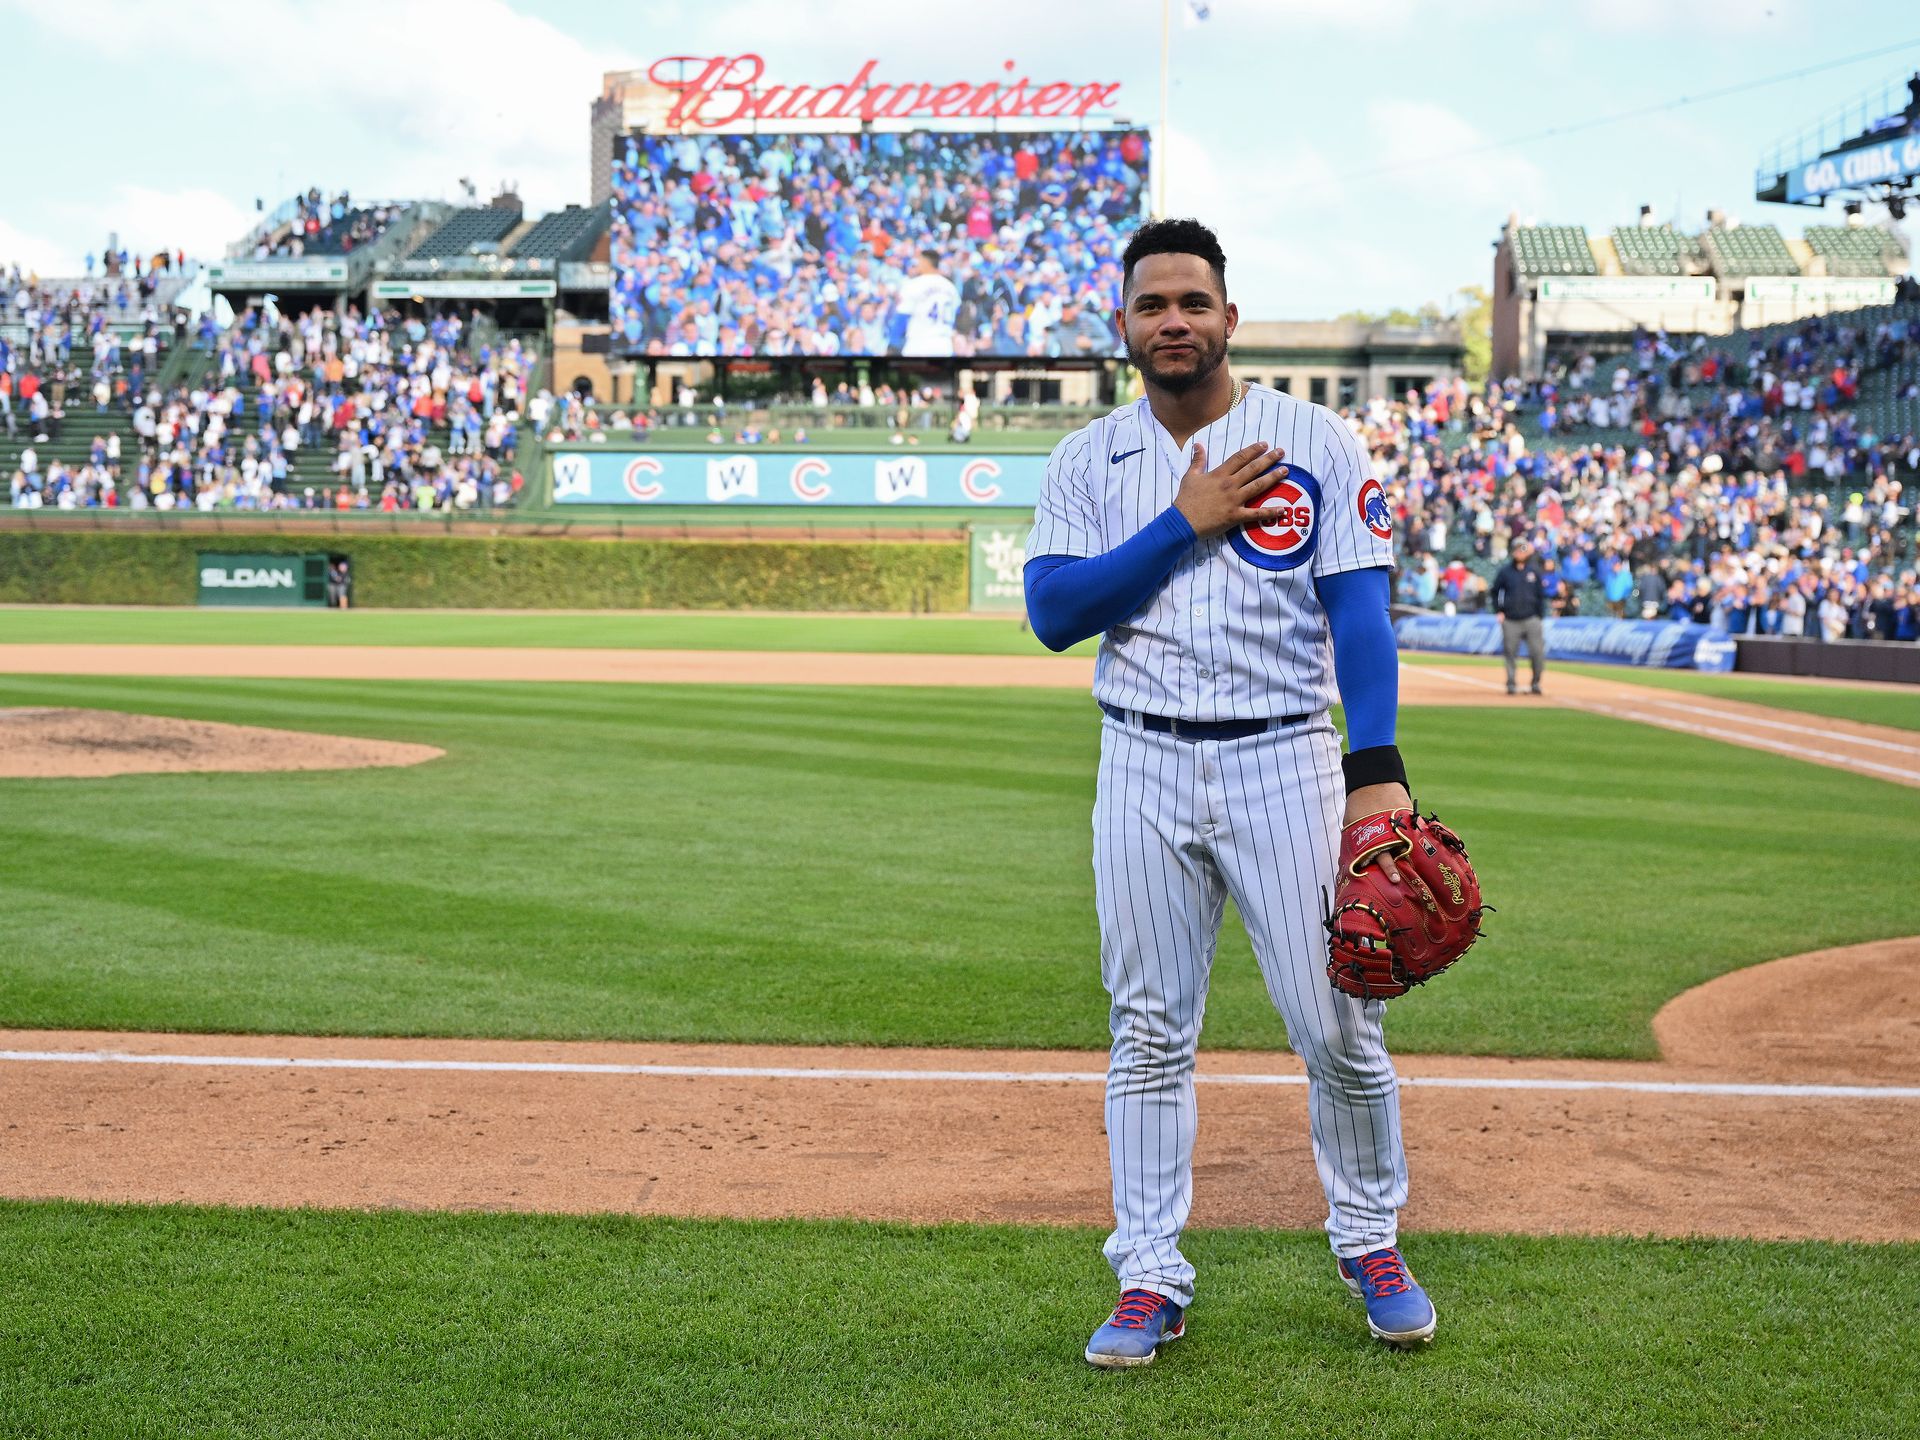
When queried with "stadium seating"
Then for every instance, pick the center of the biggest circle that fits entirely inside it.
(464, 229)
(1852, 249)
(338, 237)
(1742, 250)
(564, 235)
(82, 421)
(1552, 250)
(1655, 250)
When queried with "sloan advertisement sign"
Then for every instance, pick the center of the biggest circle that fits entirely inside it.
(230, 578)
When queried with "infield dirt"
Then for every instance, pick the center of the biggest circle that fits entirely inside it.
(1523, 1159)
(64, 744)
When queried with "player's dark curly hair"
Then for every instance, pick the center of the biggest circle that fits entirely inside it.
(1175, 237)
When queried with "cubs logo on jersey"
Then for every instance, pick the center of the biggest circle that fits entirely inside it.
(1288, 539)
(1374, 512)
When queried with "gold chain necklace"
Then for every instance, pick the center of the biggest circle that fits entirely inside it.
(1239, 393)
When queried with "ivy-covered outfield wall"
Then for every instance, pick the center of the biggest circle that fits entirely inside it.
(449, 572)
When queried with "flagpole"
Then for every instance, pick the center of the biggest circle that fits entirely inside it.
(1160, 148)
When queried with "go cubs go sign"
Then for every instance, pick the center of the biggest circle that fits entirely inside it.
(725, 90)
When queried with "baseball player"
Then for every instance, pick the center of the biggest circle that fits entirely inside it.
(1233, 546)
(931, 303)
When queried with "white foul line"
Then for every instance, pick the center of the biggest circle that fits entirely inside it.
(1798, 752)
(989, 1077)
(1746, 719)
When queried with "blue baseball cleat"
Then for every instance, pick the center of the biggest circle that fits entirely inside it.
(1398, 1310)
(1134, 1333)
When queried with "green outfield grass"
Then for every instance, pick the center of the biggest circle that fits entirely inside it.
(125, 1321)
(894, 634)
(1900, 708)
(846, 865)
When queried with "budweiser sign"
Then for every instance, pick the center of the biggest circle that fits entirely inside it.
(726, 90)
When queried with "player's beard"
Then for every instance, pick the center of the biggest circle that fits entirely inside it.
(1209, 356)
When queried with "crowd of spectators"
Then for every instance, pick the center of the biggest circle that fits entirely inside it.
(904, 408)
(115, 319)
(802, 244)
(121, 295)
(1748, 494)
(375, 392)
(329, 225)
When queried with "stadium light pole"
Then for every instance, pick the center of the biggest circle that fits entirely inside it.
(1159, 159)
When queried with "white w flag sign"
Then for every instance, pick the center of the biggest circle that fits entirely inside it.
(1197, 11)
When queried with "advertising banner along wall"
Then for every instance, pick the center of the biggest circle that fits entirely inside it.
(248, 578)
(626, 477)
(996, 562)
(1661, 644)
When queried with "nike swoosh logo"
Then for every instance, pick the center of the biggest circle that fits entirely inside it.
(1116, 459)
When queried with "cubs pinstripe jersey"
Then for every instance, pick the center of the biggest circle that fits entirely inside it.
(1236, 632)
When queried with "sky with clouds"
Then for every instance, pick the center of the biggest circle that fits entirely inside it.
(1353, 154)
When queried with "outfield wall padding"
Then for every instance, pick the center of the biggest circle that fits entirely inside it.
(506, 572)
(1891, 661)
(1660, 644)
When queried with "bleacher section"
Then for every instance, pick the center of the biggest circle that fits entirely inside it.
(1861, 250)
(332, 238)
(568, 234)
(1878, 406)
(464, 229)
(166, 287)
(1655, 250)
(1552, 250)
(1742, 250)
(82, 421)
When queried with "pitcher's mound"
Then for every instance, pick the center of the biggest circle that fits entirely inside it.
(1846, 1016)
(56, 744)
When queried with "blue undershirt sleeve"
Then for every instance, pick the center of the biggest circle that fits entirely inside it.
(1366, 662)
(1070, 597)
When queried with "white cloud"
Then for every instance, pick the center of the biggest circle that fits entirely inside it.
(1418, 139)
(35, 253)
(1719, 17)
(417, 92)
(1307, 237)
(822, 41)
(144, 219)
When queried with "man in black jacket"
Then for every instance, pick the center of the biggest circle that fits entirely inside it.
(1519, 599)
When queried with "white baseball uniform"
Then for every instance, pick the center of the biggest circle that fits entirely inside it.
(931, 303)
(1235, 633)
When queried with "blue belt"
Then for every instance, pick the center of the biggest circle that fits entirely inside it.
(1202, 729)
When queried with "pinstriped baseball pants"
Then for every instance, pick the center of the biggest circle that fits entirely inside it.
(1179, 825)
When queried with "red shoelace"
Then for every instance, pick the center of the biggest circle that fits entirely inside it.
(1385, 1272)
(1136, 1308)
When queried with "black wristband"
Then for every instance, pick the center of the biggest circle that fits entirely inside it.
(1375, 765)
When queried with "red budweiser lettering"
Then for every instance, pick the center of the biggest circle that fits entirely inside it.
(725, 90)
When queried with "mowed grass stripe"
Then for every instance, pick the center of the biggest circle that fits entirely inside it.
(894, 634)
(850, 866)
(1898, 708)
(192, 1321)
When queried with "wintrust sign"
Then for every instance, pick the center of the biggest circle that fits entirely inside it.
(725, 90)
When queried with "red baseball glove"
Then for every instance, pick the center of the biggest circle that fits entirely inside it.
(1384, 938)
